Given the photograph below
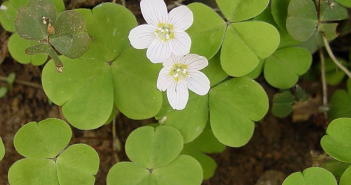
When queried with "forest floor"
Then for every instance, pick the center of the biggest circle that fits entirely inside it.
(278, 147)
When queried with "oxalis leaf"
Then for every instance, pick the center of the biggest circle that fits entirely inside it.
(340, 105)
(2, 149)
(244, 46)
(67, 34)
(283, 68)
(234, 106)
(208, 27)
(311, 176)
(346, 176)
(302, 19)
(282, 104)
(41, 143)
(205, 143)
(239, 10)
(17, 47)
(336, 142)
(155, 161)
(117, 74)
(344, 2)
(8, 12)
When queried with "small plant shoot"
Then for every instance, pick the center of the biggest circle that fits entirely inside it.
(213, 74)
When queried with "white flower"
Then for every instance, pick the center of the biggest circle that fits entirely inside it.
(180, 73)
(165, 33)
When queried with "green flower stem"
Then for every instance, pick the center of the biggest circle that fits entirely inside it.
(332, 56)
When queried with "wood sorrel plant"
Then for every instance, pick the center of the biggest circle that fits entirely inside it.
(106, 68)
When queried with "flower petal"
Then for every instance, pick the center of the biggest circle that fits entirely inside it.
(195, 62)
(181, 18)
(164, 80)
(141, 36)
(172, 60)
(158, 51)
(154, 11)
(180, 44)
(178, 95)
(198, 83)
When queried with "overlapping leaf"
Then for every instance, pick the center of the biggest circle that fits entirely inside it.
(2, 149)
(244, 46)
(282, 104)
(234, 106)
(239, 10)
(311, 176)
(208, 27)
(283, 68)
(336, 142)
(340, 105)
(346, 176)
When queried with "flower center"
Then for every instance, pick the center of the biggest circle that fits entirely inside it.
(179, 72)
(164, 32)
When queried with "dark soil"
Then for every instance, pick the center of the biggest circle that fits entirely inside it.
(278, 147)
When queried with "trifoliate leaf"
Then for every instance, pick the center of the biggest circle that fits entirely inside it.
(282, 104)
(311, 176)
(346, 176)
(340, 105)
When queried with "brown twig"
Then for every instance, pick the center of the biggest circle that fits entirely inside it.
(23, 83)
(332, 56)
(116, 142)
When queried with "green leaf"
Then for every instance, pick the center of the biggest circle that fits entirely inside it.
(257, 71)
(190, 121)
(60, 5)
(300, 94)
(87, 95)
(283, 68)
(239, 10)
(17, 47)
(107, 30)
(45, 139)
(302, 19)
(46, 48)
(337, 141)
(234, 105)
(8, 14)
(285, 39)
(329, 29)
(208, 26)
(185, 170)
(207, 142)
(346, 177)
(70, 37)
(3, 91)
(134, 80)
(214, 70)
(33, 172)
(313, 43)
(337, 168)
(245, 44)
(127, 173)
(333, 74)
(346, 3)
(30, 22)
(282, 104)
(11, 78)
(340, 105)
(208, 165)
(311, 176)
(280, 12)
(150, 147)
(2, 149)
(332, 11)
(77, 165)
